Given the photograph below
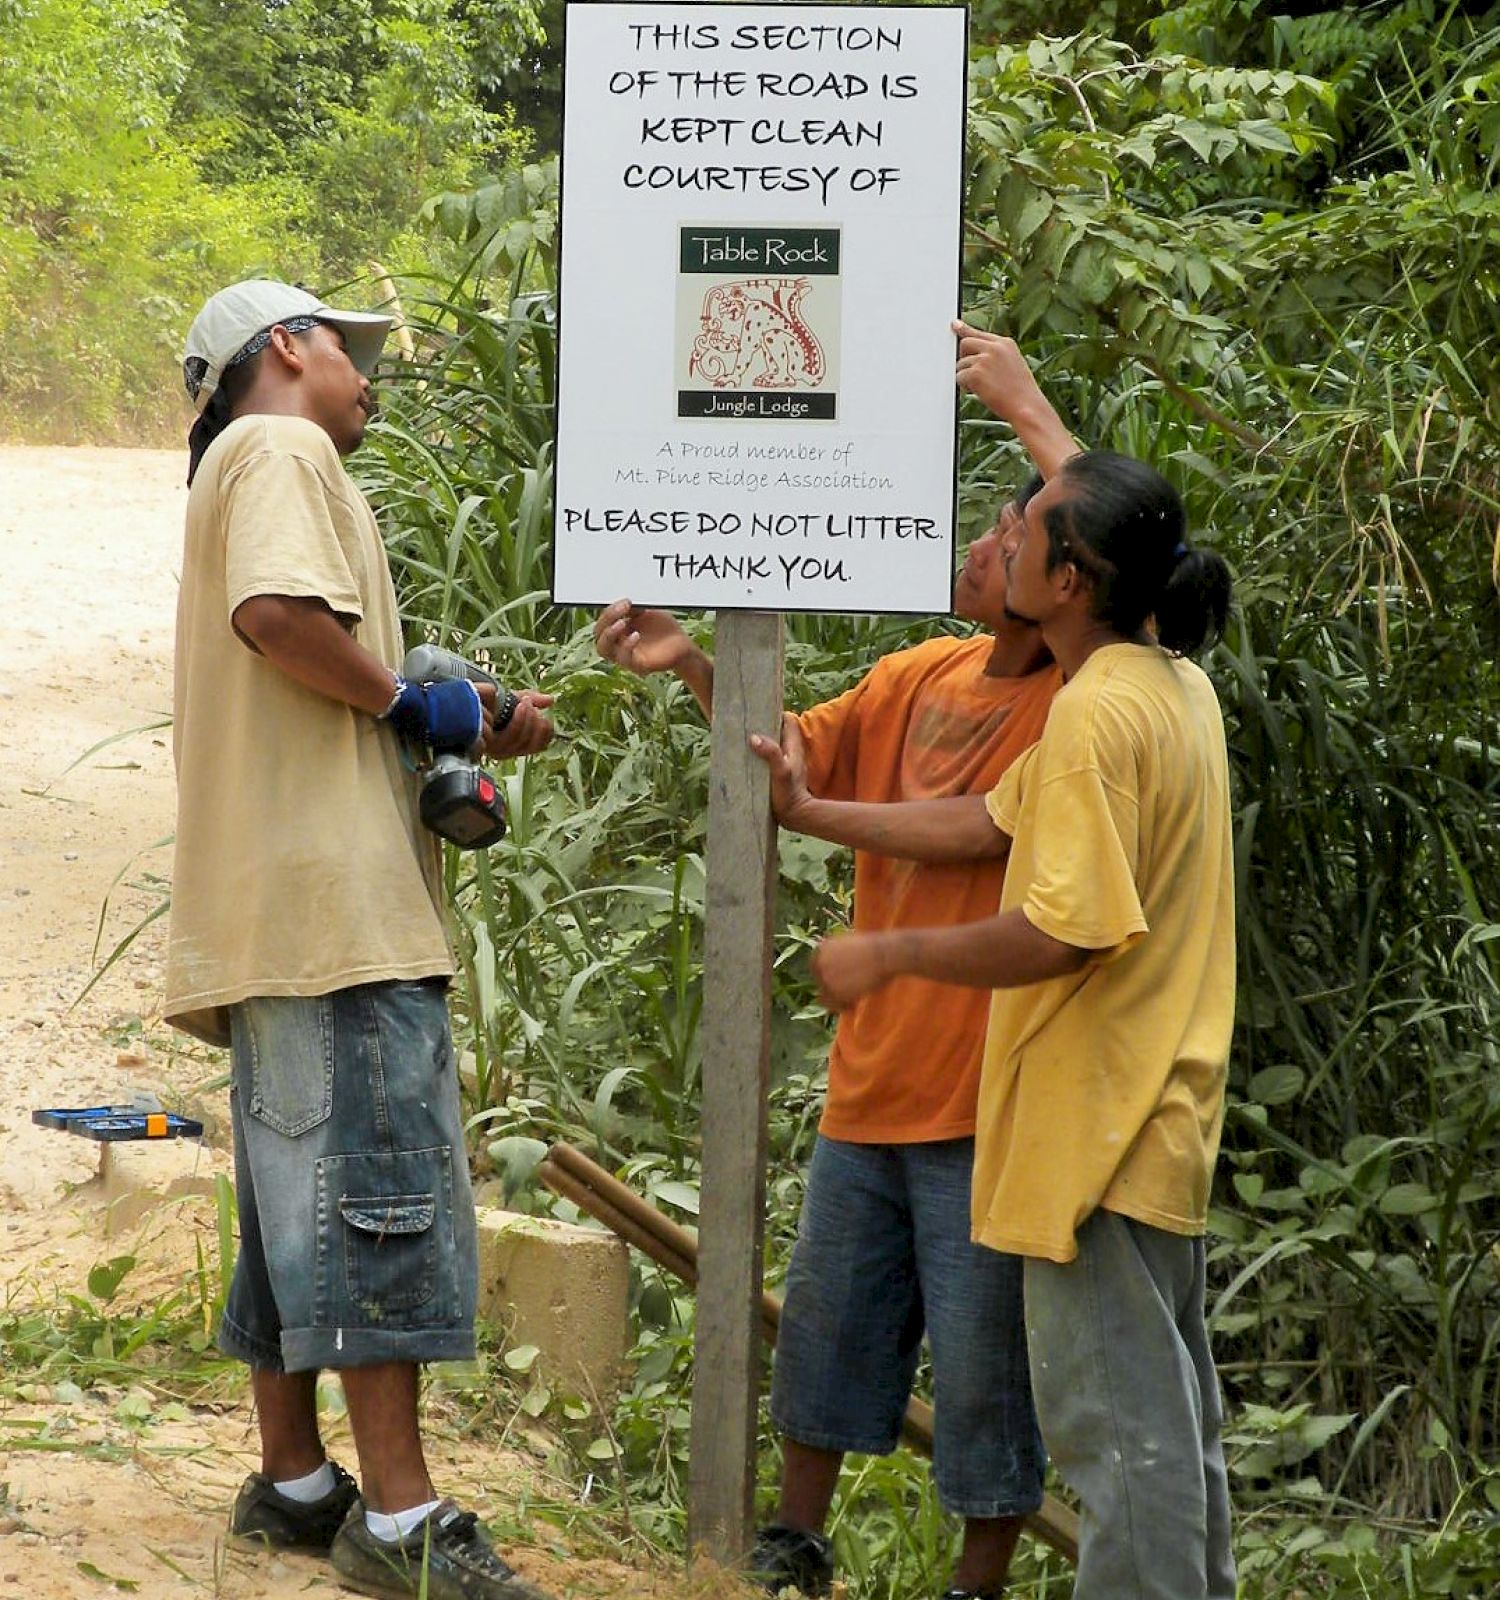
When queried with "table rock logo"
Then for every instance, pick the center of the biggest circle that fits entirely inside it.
(758, 323)
(754, 324)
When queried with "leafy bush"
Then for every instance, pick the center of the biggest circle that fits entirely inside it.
(107, 234)
(152, 151)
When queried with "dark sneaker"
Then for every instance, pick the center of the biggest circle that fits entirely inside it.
(263, 1513)
(955, 1593)
(791, 1558)
(445, 1557)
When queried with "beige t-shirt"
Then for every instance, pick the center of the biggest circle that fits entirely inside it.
(301, 866)
(1105, 1088)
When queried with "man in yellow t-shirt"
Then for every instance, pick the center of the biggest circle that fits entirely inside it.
(1112, 962)
(308, 935)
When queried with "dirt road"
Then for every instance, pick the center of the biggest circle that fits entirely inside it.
(110, 1486)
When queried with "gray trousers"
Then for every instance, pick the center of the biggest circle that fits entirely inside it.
(1128, 1402)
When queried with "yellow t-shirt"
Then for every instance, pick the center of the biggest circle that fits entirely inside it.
(1106, 1087)
(301, 866)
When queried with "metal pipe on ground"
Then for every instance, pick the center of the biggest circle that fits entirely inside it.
(571, 1174)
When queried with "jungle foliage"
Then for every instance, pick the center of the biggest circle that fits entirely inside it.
(151, 150)
(1259, 249)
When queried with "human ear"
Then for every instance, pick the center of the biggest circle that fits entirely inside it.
(285, 346)
(1075, 579)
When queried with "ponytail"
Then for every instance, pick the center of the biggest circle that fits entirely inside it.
(1194, 605)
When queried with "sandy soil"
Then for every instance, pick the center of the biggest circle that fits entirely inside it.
(116, 1488)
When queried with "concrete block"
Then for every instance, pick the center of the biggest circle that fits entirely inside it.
(562, 1288)
(138, 1175)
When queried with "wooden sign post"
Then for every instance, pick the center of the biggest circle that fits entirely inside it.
(760, 239)
(735, 1031)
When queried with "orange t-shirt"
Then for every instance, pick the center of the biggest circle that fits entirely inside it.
(922, 723)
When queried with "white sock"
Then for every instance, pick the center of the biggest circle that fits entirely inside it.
(306, 1490)
(398, 1524)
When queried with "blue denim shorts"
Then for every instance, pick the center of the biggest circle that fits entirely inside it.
(357, 1233)
(883, 1254)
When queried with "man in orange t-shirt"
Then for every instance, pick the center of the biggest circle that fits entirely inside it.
(883, 1251)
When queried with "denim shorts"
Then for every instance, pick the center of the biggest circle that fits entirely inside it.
(882, 1254)
(357, 1233)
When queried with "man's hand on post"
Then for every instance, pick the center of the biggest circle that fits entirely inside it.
(848, 966)
(788, 764)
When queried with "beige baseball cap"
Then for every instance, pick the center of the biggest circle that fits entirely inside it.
(233, 317)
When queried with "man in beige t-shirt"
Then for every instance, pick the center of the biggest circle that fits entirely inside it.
(308, 935)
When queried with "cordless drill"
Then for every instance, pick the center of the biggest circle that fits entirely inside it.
(459, 800)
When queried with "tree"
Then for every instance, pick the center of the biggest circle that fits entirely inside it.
(106, 230)
(369, 106)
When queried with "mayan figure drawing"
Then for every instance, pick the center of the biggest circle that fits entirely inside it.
(753, 332)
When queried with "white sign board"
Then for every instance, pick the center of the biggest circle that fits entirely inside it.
(761, 214)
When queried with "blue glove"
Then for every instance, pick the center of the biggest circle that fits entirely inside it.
(445, 715)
